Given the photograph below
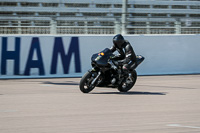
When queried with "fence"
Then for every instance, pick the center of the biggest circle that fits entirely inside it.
(48, 25)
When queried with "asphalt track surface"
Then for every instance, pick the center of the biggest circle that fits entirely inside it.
(156, 104)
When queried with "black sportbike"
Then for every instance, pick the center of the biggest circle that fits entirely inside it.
(105, 73)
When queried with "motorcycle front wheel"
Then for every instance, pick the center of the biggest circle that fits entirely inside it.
(128, 83)
(85, 83)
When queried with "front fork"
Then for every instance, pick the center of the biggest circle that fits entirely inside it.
(96, 78)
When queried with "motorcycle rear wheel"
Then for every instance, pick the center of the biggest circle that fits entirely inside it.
(124, 86)
(85, 83)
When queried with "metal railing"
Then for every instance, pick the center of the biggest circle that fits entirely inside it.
(53, 26)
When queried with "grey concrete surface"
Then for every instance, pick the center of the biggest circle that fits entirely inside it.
(156, 104)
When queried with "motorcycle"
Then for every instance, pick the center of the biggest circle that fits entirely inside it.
(105, 73)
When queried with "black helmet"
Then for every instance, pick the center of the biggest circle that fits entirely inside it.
(118, 40)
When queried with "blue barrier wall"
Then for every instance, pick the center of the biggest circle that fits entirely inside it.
(34, 56)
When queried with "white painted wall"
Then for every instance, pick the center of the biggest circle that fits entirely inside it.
(169, 54)
(164, 54)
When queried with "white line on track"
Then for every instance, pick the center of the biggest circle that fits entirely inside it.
(178, 125)
(45, 85)
(8, 111)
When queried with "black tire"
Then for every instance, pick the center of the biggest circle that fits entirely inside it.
(85, 83)
(124, 87)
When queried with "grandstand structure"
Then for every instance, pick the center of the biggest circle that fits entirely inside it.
(99, 16)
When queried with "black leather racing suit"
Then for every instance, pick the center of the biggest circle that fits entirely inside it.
(126, 56)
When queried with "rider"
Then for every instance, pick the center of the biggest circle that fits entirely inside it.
(126, 56)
